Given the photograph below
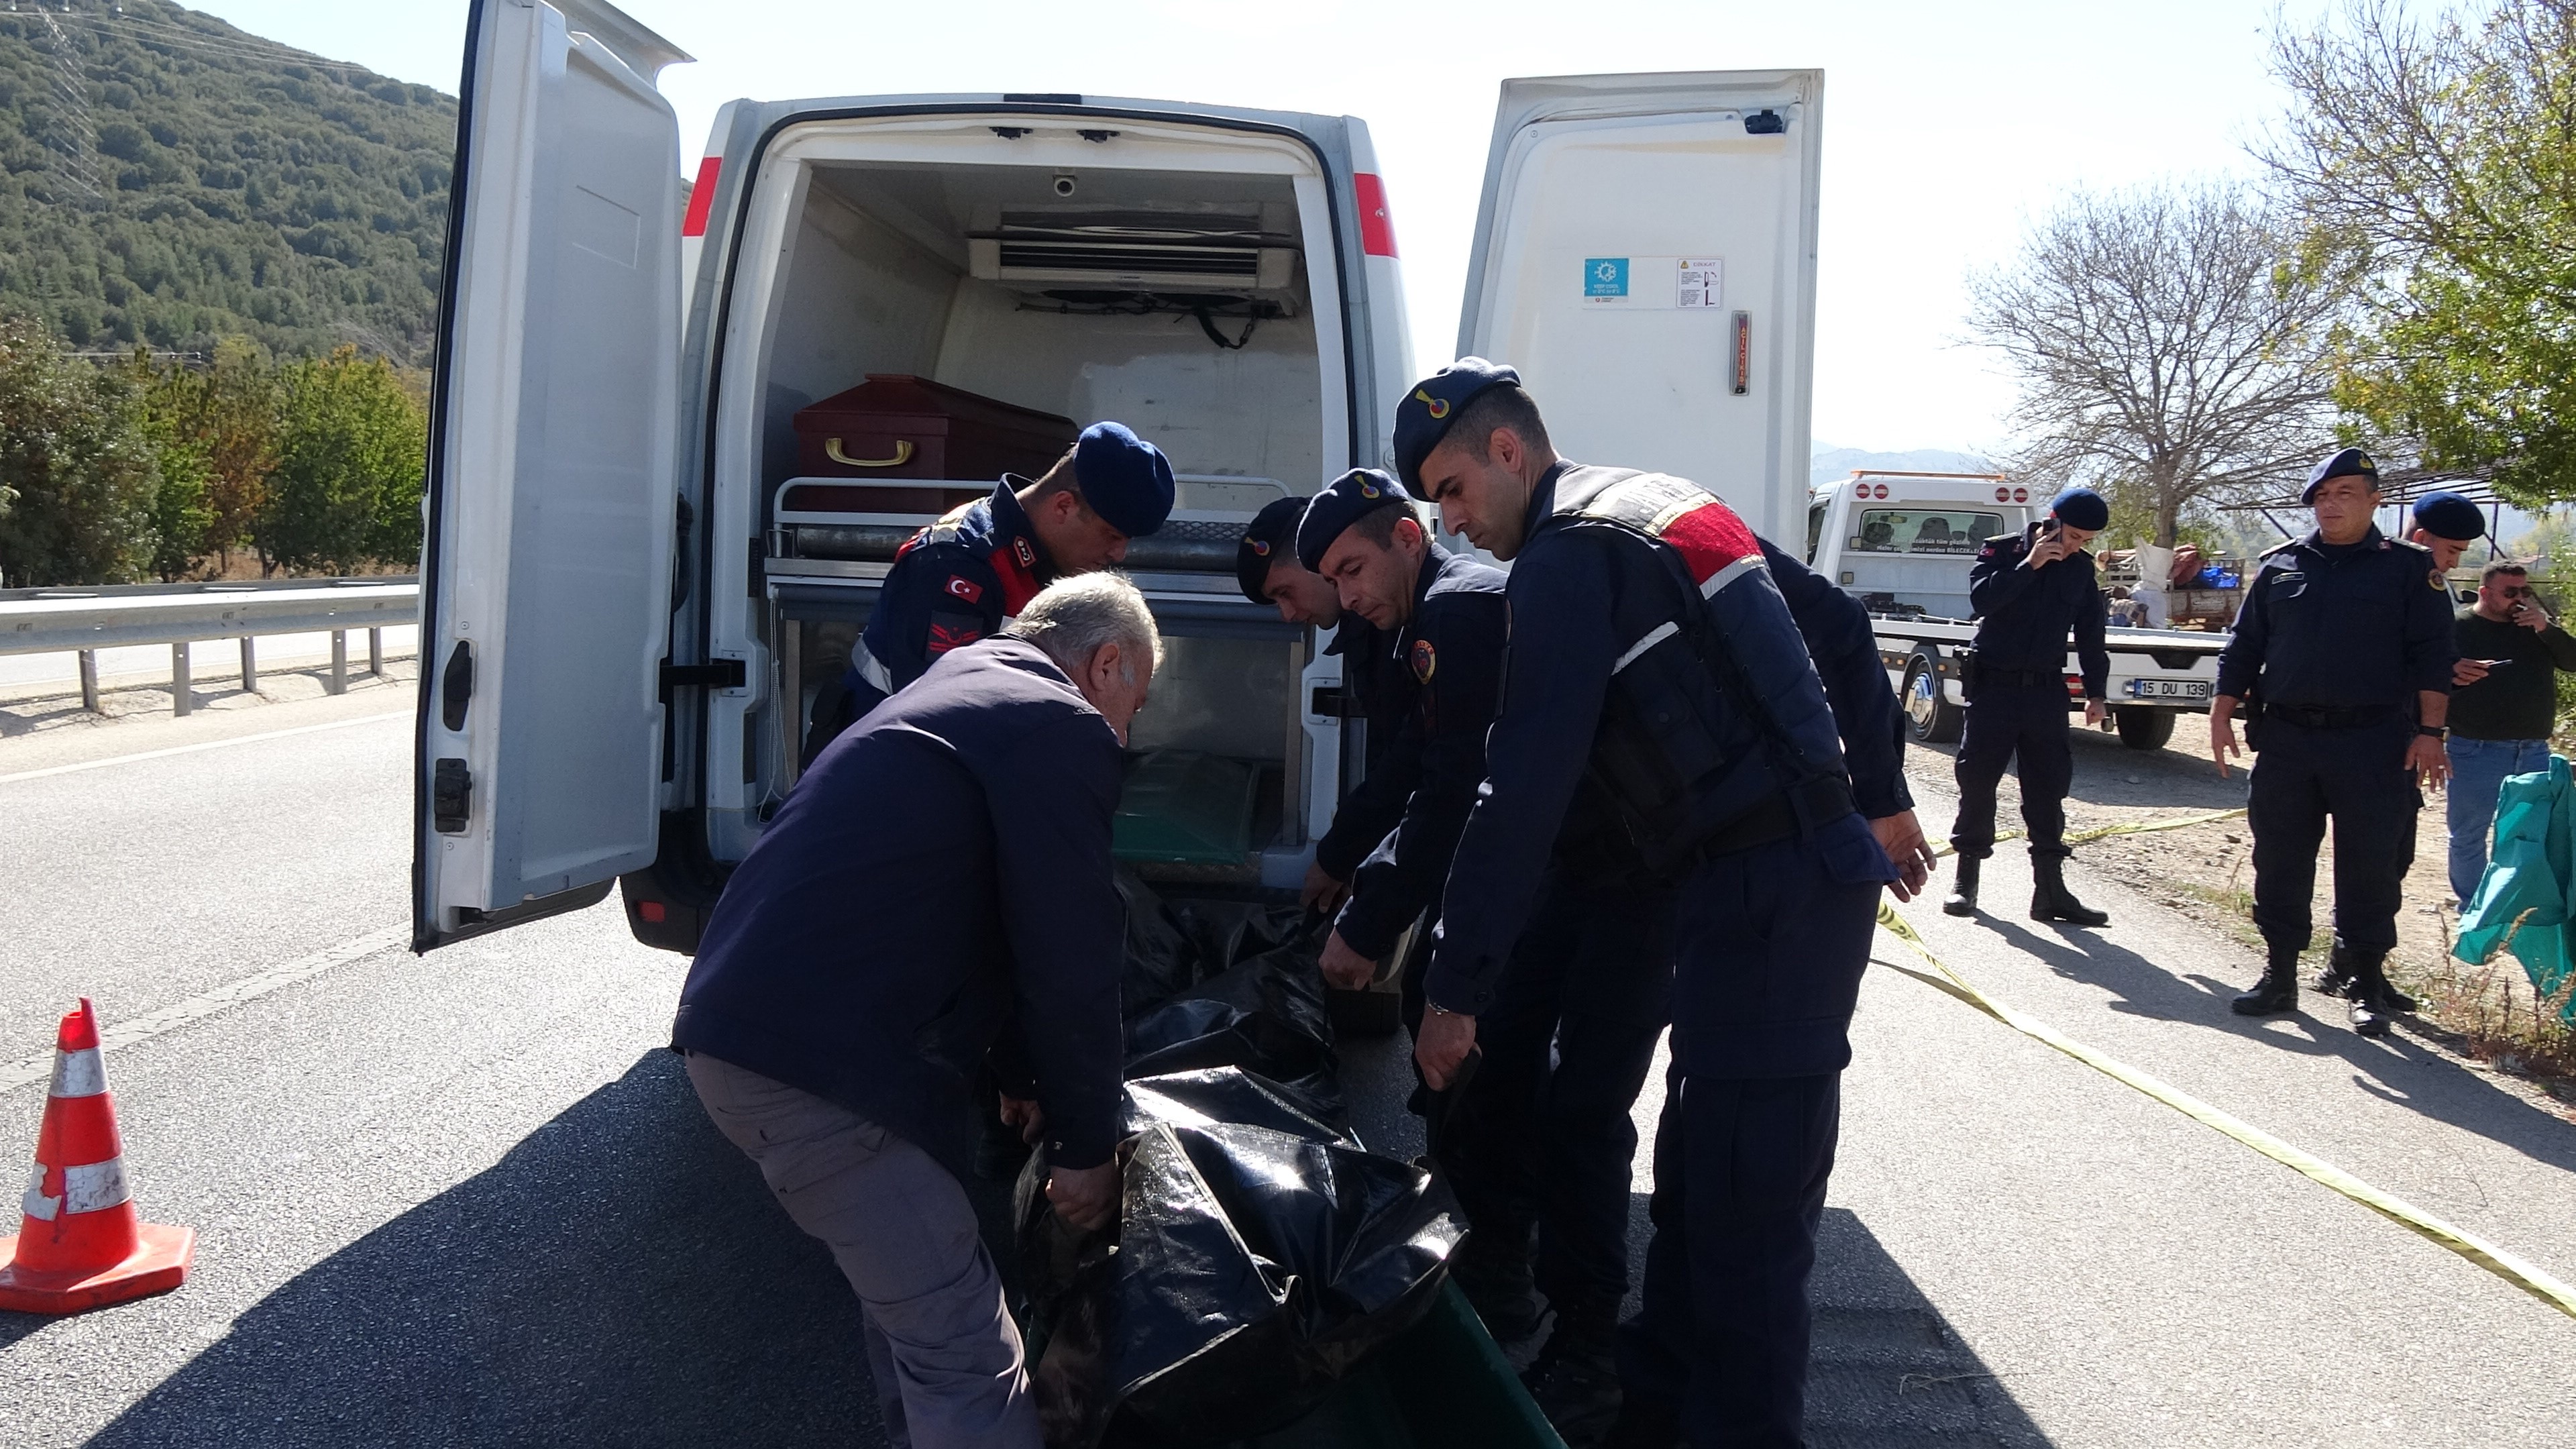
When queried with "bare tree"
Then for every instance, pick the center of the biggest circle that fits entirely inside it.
(2165, 351)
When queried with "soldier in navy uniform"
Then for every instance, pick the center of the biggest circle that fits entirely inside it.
(1658, 676)
(1379, 689)
(2029, 591)
(2341, 632)
(2445, 524)
(1445, 616)
(956, 581)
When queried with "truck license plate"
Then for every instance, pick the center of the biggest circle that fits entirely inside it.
(2195, 689)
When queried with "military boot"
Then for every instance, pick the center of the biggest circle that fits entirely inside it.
(1493, 1269)
(2277, 992)
(2050, 900)
(2369, 1010)
(1575, 1378)
(2336, 978)
(1963, 888)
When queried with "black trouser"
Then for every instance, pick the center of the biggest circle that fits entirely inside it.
(1740, 1173)
(1545, 1131)
(2005, 721)
(2358, 777)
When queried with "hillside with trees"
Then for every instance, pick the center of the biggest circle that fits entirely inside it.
(168, 180)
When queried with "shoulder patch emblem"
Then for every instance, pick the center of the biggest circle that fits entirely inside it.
(1424, 659)
(965, 588)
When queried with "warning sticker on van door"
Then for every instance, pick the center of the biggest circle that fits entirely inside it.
(1605, 279)
(1702, 282)
(1662, 284)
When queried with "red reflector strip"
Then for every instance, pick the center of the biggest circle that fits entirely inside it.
(702, 197)
(1710, 537)
(1377, 225)
(652, 912)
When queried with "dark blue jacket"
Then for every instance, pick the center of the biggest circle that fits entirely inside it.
(1382, 690)
(1866, 712)
(952, 584)
(1582, 602)
(2358, 626)
(2024, 615)
(941, 873)
(1452, 649)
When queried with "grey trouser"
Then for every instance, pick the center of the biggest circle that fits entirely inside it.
(940, 1342)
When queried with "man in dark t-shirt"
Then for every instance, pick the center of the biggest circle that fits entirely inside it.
(2504, 701)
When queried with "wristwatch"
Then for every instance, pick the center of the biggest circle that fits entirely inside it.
(2431, 732)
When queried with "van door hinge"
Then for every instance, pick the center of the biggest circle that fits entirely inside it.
(1331, 701)
(451, 796)
(721, 674)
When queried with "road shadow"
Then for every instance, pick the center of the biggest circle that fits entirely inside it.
(2397, 1068)
(2110, 775)
(1887, 1370)
(622, 1276)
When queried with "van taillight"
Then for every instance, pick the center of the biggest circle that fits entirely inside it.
(1377, 225)
(702, 197)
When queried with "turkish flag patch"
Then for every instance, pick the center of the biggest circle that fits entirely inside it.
(965, 588)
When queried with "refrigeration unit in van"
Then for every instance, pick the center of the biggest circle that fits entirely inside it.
(640, 573)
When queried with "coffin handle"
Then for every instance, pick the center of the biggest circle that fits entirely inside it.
(902, 455)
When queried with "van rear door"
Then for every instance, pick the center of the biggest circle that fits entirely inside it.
(1646, 256)
(546, 581)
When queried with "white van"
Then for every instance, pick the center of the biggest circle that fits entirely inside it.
(628, 600)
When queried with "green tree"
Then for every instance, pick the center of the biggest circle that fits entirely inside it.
(75, 453)
(2436, 161)
(167, 397)
(181, 515)
(351, 449)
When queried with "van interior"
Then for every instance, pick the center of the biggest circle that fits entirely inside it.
(1178, 302)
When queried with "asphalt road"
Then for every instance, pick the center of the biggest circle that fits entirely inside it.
(468, 1199)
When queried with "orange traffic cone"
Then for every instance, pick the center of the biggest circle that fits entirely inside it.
(81, 1246)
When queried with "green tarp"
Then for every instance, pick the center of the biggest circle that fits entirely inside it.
(2524, 900)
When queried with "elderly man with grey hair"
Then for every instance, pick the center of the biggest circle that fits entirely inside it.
(969, 813)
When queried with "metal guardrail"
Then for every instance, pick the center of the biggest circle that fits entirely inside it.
(84, 621)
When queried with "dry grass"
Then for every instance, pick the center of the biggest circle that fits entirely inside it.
(2496, 1015)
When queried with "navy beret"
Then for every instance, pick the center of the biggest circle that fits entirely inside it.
(1343, 502)
(1123, 478)
(1422, 419)
(2081, 508)
(2448, 515)
(1271, 537)
(2350, 462)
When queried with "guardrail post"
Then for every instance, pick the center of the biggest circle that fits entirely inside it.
(339, 683)
(89, 681)
(180, 701)
(250, 667)
(376, 652)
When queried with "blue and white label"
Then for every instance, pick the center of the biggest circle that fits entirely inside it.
(1605, 279)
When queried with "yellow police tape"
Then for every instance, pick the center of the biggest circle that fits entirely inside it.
(2477, 1250)
(2133, 827)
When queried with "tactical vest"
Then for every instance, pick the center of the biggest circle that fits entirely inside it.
(1716, 732)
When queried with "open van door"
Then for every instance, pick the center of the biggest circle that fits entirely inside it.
(546, 581)
(1645, 254)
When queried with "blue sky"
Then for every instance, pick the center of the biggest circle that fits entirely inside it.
(1945, 125)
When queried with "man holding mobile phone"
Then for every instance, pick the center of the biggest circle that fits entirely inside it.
(2031, 592)
(2504, 699)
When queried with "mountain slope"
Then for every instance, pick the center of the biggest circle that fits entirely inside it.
(169, 179)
